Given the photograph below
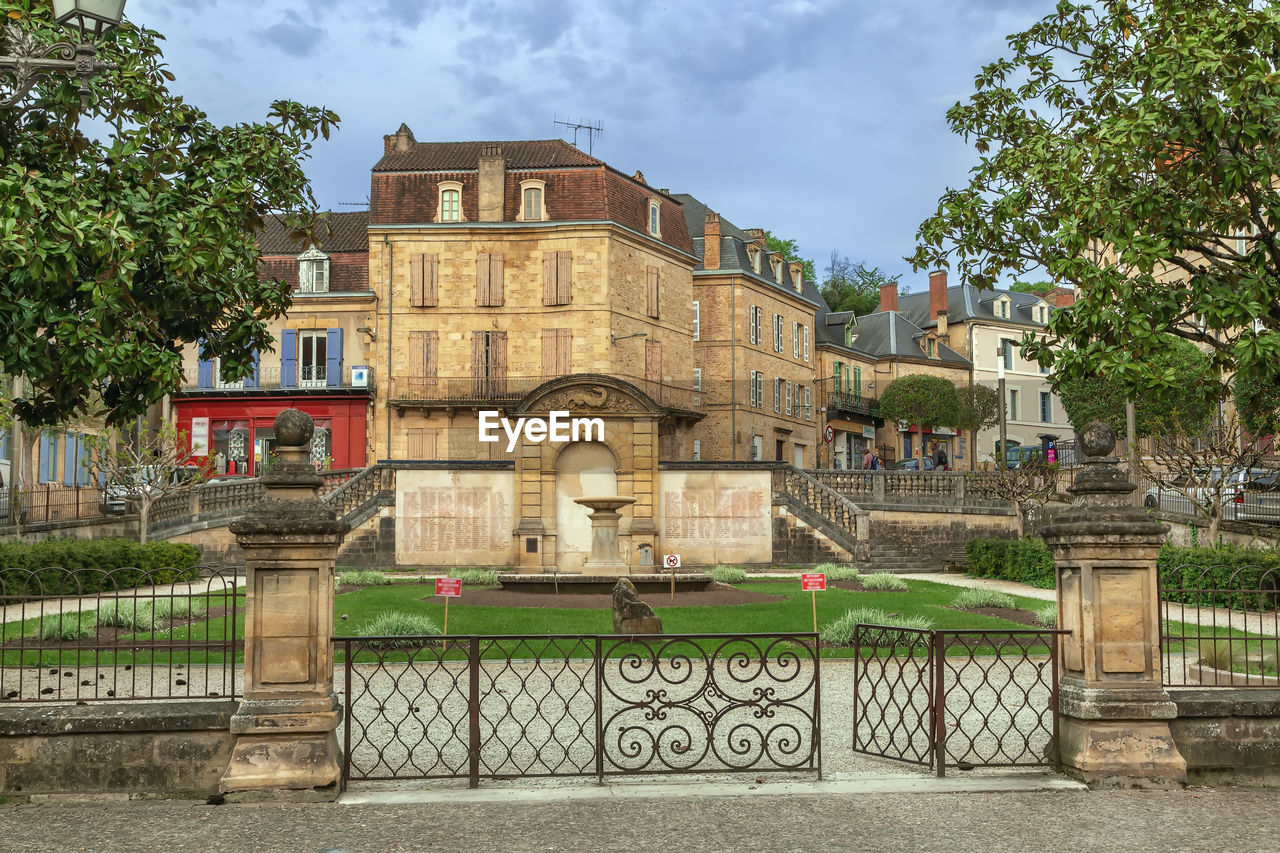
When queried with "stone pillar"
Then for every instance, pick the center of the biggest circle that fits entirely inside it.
(605, 558)
(286, 743)
(1113, 712)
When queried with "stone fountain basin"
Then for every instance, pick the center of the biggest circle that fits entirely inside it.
(583, 584)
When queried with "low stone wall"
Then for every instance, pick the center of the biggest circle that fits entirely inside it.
(173, 749)
(1228, 736)
(1232, 532)
(932, 534)
(98, 527)
(217, 544)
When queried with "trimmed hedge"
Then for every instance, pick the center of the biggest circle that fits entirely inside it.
(85, 566)
(1224, 569)
(1026, 561)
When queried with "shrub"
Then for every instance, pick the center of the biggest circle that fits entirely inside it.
(1237, 656)
(1047, 615)
(68, 626)
(87, 566)
(884, 581)
(180, 608)
(840, 632)
(363, 578)
(1026, 561)
(837, 572)
(972, 599)
(398, 623)
(729, 574)
(128, 613)
(1225, 570)
(486, 578)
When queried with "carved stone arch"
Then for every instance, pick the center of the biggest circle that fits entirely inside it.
(587, 394)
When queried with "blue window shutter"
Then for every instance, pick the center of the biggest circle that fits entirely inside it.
(289, 358)
(82, 463)
(42, 467)
(69, 459)
(251, 381)
(204, 370)
(333, 362)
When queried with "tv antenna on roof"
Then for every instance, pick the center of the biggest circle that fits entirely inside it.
(593, 129)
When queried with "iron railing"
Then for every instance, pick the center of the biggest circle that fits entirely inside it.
(964, 698)
(351, 378)
(856, 404)
(87, 635)
(583, 705)
(49, 502)
(1220, 626)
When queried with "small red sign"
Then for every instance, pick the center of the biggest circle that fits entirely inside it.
(451, 587)
(811, 582)
(829, 433)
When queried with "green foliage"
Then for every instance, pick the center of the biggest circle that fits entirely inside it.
(1258, 402)
(398, 623)
(1026, 561)
(840, 632)
(1158, 409)
(115, 252)
(131, 614)
(729, 575)
(850, 286)
(362, 577)
(790, 251)
(1039, 288)
(977, 407)
(1124, 148)
(1238, 656)
(1242, 578)
(179, 608)
(883, 581)
(920, 399)
(486, 578)
(971, 599)
(1047, 615)
(837, 572)
(68, 626)
(92, 565)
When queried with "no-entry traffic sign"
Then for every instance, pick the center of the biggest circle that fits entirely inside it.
(829, 433)
(671, 561)
(813, 582)
(451, 587)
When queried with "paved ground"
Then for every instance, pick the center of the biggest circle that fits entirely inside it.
(1098, 822)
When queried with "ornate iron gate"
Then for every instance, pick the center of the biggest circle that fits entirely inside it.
(964, 698)
(504, 707)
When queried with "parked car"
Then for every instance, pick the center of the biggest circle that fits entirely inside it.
(131, 482)
(223, 479)
(1258, 497)
(1252, 495)
(913, 464)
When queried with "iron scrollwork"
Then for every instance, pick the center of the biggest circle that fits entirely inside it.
(31, 62)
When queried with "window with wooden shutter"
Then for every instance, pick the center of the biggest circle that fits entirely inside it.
(422, 444)
(556, 351)
(489, 280)
(697, 321)
(424, 358)
(557, 278)
(653, 361)
(787, 410)
(652, 291)
(489, 361)
(423, 277)
(777, 395)
(795, 340)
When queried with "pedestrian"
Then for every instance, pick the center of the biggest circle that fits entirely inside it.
(940, 458)
(868, 459)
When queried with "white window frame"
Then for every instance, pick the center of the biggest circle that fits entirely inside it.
(777, 333)
(775, 263)
(751, 385)
(311, 262)
(759, 385)
(806, 342)
(697, 379)
(787, 410)
(316, 377)
(697, 449)
(757, 448)
(539, 215)
(697, 321)
(808, 403)
(449, 187)
(1009, 352)
(1046, 407)
(654, 218)
(1013, 404)
(777, 395)
(221, 384)
(795, 339)
(757, 315)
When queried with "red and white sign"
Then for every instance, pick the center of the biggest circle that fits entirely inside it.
(813, 582)
(451, 587)
(671, 561)
(830, 433)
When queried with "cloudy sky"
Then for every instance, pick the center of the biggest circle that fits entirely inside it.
(820, 120)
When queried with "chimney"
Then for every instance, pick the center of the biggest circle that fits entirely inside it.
(889, 296)
(493, 180)
(402, 140)
(638, 177)
(1062, 297)
(938, 299)
(754, 233)
(711, 242)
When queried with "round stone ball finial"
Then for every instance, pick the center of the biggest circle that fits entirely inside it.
(294, 428)
(1097, 439)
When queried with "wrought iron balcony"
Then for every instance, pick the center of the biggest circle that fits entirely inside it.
(849, 403)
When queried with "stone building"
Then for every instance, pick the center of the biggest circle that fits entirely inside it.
(320, 363)
(754, 358)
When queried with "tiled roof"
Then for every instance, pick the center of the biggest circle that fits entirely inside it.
(884, 334)
(344, 232)
(464, 156)
(966, 302)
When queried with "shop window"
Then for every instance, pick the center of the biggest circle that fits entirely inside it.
(230, 446)
(322, 444)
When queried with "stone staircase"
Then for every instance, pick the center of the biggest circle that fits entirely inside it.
(889, 557)
(813, 522)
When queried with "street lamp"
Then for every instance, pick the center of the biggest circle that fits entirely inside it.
(31, 62)
(1002, 459)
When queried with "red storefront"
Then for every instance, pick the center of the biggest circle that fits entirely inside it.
(237, 432)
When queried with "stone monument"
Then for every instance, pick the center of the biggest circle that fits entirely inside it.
(286, 744)
(630, 614)
(605, 558)
(1113, 712)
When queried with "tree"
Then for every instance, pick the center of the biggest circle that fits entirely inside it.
(141, 469)
(1127, 148)
(1039, 288)
(977, 407)
(1157, 408)
(851, 286)
(116, 252)
(921, 400)
(1032, 484)
(1258, 402)
(791, 252)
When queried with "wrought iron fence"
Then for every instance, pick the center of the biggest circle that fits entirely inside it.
(964, 698)
(93, 635)
(49, 502)
(585, 705)
(1220, 626)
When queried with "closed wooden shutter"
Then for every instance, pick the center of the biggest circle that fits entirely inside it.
(653, 361)
(556, 344)
(422, 444)
(550, 292)
(564, 277)
(482, 280)
(423, 356)
(496, 274)
(652, 290)
(431, 281)
(417, 280)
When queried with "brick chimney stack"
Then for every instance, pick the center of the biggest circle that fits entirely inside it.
(1062, 297)
(889, 296)
(711, 242)
(402, 140)
(493, 179)
(938, 299)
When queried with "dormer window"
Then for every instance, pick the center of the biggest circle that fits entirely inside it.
(655, 221)
(1042, 314)
(531, 201)
(776, 264)
(753, 253)
(1001, 308)
(450, 208)
(931, 348)
(849, 336)
(313, 271)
